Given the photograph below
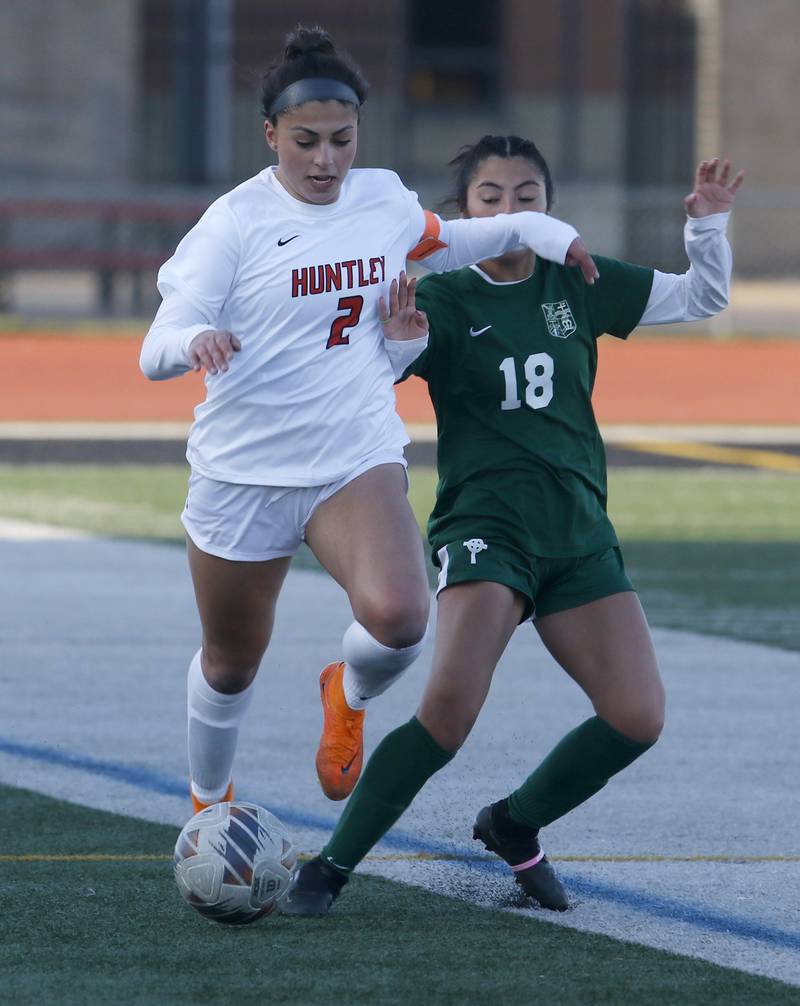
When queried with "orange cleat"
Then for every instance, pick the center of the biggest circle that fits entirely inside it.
(199, 805)
(341, 747)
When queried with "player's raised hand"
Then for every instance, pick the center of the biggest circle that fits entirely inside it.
(402, 320)
(577, 254)
(213, 350)
(714, 191)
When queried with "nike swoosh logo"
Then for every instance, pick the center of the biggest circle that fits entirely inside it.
(285, 241)
(473, 332)
(346, 768)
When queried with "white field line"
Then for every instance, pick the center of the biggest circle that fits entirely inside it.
(93, 431)
(23, 530)
(420, 432)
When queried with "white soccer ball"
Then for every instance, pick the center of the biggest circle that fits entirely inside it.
(234, 862)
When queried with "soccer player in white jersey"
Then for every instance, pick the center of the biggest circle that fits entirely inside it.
(276, 293)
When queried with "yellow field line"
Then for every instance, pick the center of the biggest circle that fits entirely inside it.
(92, 857)
(397, 857)
(676, 859)
(772, 460)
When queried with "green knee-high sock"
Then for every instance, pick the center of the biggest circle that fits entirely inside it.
(399, 767)
(578, 766)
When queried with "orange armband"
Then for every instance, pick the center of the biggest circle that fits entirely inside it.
(429, 242)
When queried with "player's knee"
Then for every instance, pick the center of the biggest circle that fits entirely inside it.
(642, 723)
(653, 717)
(647, 729)
(448, 733)
(231, 668)
(447, 720)
(395, 621)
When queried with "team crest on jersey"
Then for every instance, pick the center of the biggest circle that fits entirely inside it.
(559, 318)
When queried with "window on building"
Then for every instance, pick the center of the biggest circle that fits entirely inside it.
(660, 90)
(454, 53)
(660, 113)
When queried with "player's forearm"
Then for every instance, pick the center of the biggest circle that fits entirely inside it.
(703, 291)
(403, 352)
(479, 238)
(165, 352)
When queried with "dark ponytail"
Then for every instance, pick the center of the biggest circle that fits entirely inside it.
(469, 159)
(309, 52)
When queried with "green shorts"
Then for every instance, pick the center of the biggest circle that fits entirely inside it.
(548, 585)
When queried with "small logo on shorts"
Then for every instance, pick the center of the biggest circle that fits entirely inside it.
(473, 546)
(559, 318)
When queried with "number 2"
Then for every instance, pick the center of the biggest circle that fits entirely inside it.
(353, 306)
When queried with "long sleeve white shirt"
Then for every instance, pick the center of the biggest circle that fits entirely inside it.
(309, 396)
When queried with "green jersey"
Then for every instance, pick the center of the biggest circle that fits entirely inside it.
(510, 369)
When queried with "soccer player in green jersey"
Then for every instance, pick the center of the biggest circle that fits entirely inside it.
(519, 530)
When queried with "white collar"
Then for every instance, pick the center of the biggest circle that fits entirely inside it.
(494, 282)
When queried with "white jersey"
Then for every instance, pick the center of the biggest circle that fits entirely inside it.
(309, 396)
(310, 393)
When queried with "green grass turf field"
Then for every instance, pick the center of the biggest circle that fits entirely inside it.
(711, 550)
(114, 930)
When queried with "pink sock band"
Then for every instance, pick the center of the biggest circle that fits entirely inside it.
(531, 862)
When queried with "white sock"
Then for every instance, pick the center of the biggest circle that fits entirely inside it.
(370, 667)
(214, 721)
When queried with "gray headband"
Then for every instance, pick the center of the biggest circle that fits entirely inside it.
(313, 89)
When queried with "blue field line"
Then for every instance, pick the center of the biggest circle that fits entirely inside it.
(670, 909)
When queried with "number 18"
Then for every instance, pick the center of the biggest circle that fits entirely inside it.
(539, 387)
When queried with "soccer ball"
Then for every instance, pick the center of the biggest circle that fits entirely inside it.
(234, 862)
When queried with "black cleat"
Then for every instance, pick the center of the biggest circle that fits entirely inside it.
(314, 889)
(518, 846)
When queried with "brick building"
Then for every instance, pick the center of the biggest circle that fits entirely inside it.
(158, 99)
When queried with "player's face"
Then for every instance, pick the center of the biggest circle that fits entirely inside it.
(505, 185)
(316, 145)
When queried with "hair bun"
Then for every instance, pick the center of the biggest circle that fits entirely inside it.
(303, 41)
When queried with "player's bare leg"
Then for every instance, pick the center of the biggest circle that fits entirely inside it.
(606, 647)
(474, 623)
(367, 538)
(236, 602)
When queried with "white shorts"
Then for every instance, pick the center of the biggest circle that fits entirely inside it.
(253, 523)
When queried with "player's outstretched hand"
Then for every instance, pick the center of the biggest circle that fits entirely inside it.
(213, 350)
(402, 320)
(713, 192)
(577, 254)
